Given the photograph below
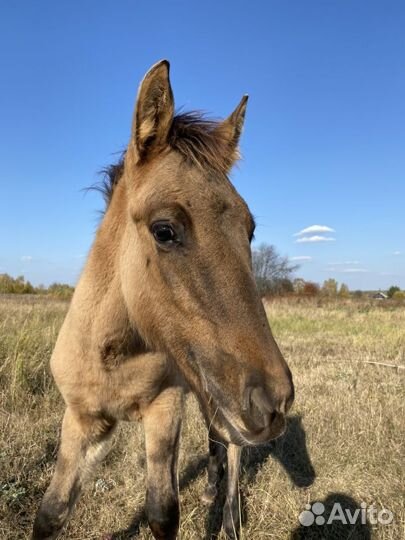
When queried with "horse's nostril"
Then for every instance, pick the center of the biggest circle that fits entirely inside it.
(248, 398)
(261, 414)
(258, 405)
(259, 398)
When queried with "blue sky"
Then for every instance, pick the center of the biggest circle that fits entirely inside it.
(324, 139)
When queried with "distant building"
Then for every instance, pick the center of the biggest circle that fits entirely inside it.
(380, 296)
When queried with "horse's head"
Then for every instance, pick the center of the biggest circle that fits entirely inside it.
(185, 264)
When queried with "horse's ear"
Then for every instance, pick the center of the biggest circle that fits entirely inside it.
(231, 128)
(154, 111)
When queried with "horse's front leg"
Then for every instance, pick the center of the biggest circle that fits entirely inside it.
(231, 515)
(84, 442)
(162, 422)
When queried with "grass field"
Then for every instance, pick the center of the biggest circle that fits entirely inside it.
(345, 442)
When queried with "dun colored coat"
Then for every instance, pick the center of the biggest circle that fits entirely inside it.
(166, 303)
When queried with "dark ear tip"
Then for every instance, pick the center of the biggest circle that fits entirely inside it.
(161, 68)
(161, 64)
(243, 101)
(240, 109)
(165, 63)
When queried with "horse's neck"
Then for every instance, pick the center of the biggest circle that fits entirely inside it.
(98, 298)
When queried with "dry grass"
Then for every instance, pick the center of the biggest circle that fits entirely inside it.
(344, 442)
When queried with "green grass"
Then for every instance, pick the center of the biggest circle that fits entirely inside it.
(344, 443)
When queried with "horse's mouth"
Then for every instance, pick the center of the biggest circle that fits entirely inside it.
(253, 435)
(243, 431)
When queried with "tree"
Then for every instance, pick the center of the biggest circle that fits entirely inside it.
(271, 269)
(9, 285)
(399, 296)
(284, 286)
(344, 291)
(60, 290)
(5, 284)
(28, 288)
(392, 290)
(310, 289)
(330, 287)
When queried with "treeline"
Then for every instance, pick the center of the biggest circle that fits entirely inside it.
(274, 276)
(330, 288)
(19, 285)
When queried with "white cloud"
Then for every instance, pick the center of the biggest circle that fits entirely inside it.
(315, 238)
(315, 229)
(26, 258)
(343, 263)
(339, 267)
(397, 253)
(301, 258)
(354, 270)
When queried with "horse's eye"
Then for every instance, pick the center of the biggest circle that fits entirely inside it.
(164, 233)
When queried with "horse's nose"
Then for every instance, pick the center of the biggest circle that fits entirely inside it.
(261, 405)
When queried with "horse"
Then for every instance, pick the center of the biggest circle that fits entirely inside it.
(166, 303)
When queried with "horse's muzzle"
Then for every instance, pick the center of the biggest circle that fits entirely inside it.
(263, 417)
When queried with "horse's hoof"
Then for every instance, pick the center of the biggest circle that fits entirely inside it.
(209, 495)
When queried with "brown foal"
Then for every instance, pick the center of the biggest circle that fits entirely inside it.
(167, 302)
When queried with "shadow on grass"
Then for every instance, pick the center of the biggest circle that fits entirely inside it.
(290, 450)
(337, 506)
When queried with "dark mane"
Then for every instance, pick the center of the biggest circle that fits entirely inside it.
(110, 178)
(200, 141)
(195, 137)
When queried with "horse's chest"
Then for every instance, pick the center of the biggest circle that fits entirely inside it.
(115, 375)
(131, 383)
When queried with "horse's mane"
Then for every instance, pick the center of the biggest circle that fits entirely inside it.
(194, 136)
